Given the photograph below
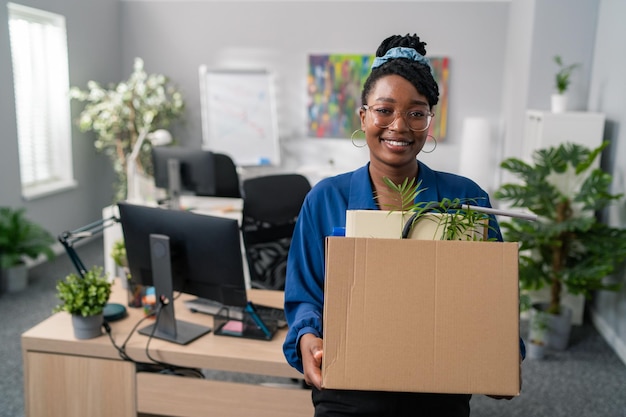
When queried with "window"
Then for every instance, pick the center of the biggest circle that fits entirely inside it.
(42, 104)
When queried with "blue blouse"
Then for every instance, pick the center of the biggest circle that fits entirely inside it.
(324, 209)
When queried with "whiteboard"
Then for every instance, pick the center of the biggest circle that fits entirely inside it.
(239, 115)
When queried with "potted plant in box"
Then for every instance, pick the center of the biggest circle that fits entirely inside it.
(567, 248)
(84, 298)
(452, 219)
(20, 238)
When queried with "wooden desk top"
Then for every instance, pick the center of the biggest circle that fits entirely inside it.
(55, 335)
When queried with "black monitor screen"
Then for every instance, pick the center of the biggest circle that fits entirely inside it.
(197, 169)
(205, 251)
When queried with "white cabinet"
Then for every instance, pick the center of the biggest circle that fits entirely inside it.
(543, 129)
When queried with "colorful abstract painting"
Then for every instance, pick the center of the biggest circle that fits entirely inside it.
(334, 86)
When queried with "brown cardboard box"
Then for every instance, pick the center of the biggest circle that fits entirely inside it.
(421, 316)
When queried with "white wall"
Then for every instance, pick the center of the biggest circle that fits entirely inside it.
(607, 95)
(174, 38)
(94, 51)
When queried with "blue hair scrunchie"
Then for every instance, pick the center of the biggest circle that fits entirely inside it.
(401, 52)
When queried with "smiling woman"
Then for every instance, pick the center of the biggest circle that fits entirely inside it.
(398, 100)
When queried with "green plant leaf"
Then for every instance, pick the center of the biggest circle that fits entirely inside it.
(459, 225)
(85, 296)
(562, 77)
(568, 246)
(22, 238)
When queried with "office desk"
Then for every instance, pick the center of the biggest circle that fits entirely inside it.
(67, 377)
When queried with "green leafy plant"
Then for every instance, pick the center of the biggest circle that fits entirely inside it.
(567, 245)
(85, 296)
(562, 77)
(118, 253)
(458, 224)
(117, 115)
(21, 238)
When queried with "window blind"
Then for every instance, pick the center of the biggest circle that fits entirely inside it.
(41, 85)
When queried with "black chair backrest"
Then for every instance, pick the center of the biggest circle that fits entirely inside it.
(271, 205)
(227, 182)
(274, 199)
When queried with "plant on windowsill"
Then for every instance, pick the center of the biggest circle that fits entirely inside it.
(20, 239)
(567, 248)
(118, 115)
(84, 298)
(562, 82)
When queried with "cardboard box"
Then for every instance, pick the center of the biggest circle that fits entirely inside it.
(389, 225)
(421, 316)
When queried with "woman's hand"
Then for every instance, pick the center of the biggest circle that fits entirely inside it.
(312, 352)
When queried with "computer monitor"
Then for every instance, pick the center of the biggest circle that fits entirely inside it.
(195, 170)
(204, 258)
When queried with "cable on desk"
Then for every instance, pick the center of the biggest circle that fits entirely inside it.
(169, 368)
(122, 349)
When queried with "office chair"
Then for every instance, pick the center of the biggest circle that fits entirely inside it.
(271, 205)
(227, 182)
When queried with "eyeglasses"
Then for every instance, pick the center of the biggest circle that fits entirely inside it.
(417, 120)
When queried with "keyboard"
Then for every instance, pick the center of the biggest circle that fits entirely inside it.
(211, 307)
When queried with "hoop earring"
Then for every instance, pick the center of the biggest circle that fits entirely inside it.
(434, 147)
(352, 139)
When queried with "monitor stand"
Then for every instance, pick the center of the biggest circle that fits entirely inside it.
(166, 326)
(173, 183)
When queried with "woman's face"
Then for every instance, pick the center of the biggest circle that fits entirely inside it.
(395, 145)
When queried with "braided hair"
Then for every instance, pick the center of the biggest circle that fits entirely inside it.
(416, 73)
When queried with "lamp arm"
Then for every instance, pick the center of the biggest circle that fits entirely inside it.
(68, 239)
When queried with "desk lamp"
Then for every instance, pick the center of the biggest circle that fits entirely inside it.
(112, 311)
(159, 137)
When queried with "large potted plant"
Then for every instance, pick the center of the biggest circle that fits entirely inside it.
(84, 298)
(20, 239)
(121, 114)
(567, 248)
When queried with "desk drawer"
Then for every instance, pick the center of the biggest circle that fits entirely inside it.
(190, 397)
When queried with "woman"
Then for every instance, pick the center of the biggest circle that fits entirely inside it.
(398, 99)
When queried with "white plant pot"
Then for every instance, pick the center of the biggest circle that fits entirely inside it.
(559, 103)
